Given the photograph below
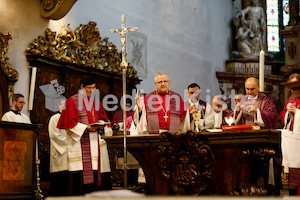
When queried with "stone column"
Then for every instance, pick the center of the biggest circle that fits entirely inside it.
(294, 12)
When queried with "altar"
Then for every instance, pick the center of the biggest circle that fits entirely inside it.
(209, 163)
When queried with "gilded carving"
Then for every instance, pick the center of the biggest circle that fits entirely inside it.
(84, 46)
(7, 68)
(186, 165)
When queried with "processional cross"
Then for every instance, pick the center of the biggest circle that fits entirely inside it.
(122, 31)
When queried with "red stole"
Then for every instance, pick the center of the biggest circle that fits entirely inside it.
(295, 101)
(76, 112)
(155, 114)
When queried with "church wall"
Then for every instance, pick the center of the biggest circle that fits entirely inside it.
(189, 40)
(22, 19)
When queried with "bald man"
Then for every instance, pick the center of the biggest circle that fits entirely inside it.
(257, 108)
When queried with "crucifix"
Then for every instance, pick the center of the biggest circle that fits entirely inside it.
(122, 31)
(166, 117)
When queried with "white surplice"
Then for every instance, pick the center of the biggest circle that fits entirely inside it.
(10, 116)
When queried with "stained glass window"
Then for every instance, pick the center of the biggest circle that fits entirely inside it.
(272, 25)
(277, 12)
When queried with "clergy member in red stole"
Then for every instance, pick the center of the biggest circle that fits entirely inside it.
(88, 162)
(257, 107)
(290, 118)
(287, 116)
(161, 110)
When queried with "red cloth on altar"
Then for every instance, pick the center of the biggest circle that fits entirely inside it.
(165, 101)
(267, 109)
(282, 113)
(240, 127)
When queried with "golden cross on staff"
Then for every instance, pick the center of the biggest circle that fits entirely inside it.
(122, 31)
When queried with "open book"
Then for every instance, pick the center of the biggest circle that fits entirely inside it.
(101, 123)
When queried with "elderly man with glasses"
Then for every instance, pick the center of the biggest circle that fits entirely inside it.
(161, 110)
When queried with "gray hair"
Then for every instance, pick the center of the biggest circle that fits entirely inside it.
(160, 74)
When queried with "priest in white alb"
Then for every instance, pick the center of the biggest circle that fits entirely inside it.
(87, 152)
(15, 115)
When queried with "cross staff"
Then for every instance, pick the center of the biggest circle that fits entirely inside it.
(122, 31)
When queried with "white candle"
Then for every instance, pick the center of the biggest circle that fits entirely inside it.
(261, 70)
(32, 87)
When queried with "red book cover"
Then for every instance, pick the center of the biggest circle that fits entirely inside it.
(241, 127)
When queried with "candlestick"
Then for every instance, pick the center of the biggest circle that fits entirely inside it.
(36, 150)
(261, 70)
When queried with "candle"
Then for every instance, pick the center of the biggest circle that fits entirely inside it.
(32, 87)
(261, 70)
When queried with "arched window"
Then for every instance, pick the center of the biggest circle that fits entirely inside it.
(277, 12)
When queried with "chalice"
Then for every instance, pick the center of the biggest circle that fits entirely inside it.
(197, 117)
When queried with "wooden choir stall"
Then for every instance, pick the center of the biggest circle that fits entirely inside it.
(223, 163)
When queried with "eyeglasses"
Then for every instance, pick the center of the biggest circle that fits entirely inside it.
(161, 82)
(21, 102)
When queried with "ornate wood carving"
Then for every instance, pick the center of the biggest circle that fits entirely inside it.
(240, 161)
(83, 46)
(10, 73)
(186, 165)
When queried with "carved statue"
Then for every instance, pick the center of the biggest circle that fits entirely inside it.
(251, 30)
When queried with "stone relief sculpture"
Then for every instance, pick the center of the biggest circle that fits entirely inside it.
(84, 46)
(251, 31)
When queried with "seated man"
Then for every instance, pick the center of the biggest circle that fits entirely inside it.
(196, 104)
(257, 108)
(15, 115)
(221, 111)
(161, 110)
